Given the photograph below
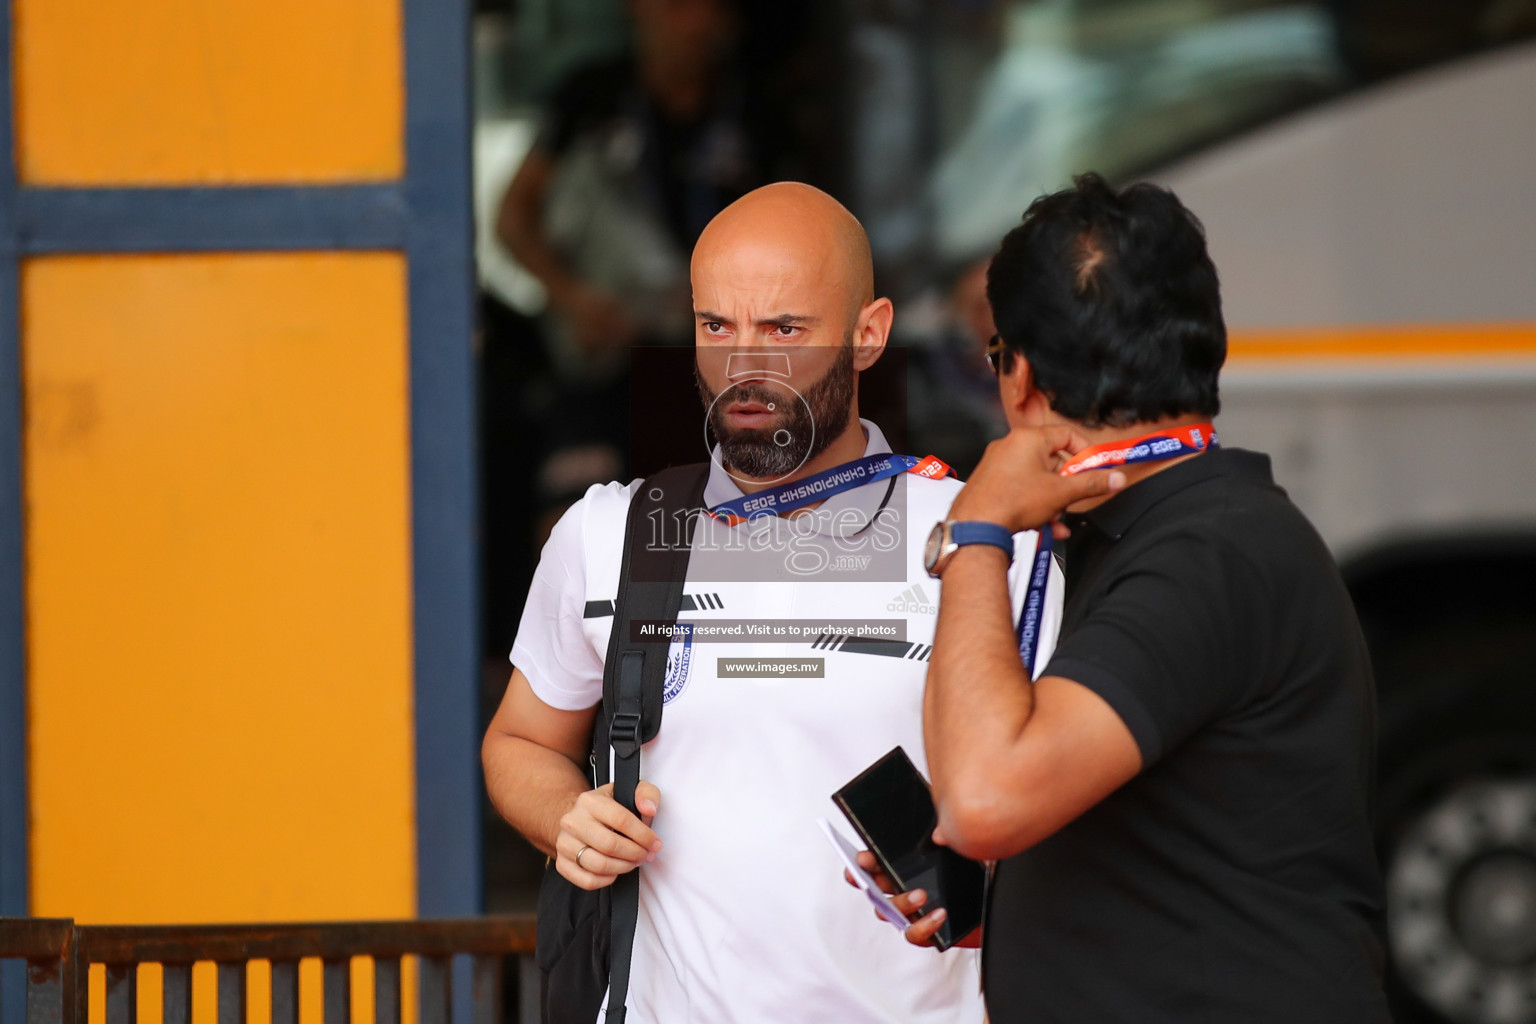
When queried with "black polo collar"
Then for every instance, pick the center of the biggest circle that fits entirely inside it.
(1120, 513)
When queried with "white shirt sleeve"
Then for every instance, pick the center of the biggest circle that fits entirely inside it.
(552, 648)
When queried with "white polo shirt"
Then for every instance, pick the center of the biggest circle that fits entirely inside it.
(744, 915)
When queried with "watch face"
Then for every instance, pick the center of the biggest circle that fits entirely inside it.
(934, 546)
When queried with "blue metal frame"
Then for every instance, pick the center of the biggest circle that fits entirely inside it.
(440, 244)
(57, 220)
(428, 215)
(13, 636)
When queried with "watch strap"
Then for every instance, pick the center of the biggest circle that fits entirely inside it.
(961, 534)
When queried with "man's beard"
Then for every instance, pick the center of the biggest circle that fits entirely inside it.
(812, 425)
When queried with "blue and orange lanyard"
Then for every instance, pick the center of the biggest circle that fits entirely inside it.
(1154, 447)
(777, 501)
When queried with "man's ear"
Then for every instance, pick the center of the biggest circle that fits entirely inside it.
(870, 333)
(1016, 383)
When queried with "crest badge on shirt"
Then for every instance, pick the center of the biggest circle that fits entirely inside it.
(679, 664)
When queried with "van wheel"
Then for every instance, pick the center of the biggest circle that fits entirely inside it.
(1461, 899)
(1457, 821)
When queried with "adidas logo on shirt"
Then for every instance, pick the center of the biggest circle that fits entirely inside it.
(912, 601)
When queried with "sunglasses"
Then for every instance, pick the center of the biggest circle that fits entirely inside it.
(995, 350)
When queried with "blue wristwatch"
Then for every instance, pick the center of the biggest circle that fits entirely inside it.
(948, 537)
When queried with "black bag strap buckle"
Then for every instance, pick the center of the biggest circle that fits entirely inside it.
(624, 734)
(624, 730)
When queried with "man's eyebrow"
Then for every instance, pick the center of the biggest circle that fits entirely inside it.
(704, 316)
(789, 320)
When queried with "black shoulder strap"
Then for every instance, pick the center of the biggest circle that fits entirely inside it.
(657, 538)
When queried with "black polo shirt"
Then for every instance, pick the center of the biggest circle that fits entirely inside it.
(1233, 881)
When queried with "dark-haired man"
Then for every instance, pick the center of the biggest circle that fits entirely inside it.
(1179, 802)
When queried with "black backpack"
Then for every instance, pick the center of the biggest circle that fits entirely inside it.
(585, 938)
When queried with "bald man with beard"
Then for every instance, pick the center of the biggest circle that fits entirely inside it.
(744, 916)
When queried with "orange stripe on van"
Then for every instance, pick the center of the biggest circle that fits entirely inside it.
(1415, 342)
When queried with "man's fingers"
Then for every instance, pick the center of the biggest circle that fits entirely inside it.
(610, 812)
(593, 860)
(922, 931)
(1060, 441)
(871, 867)
(584, 865)
(1058, 437)
(910, 902)
(1090, 485)
(579, 876)
(601, 839)
(647, 799)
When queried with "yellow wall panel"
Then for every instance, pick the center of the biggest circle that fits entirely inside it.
(208, 91)
(219, 602)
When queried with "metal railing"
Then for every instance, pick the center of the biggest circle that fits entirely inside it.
(59, 955)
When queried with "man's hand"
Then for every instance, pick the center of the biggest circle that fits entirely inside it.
(922, 929)
(1017, 483)
(609, 839)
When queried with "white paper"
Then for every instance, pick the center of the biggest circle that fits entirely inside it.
(849, 855)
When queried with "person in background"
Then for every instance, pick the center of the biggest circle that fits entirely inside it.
(636, 155)
(953, 409)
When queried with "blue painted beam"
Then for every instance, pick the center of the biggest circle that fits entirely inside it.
(14, 886)
(84, 220)
(13, 643)
(440, 250)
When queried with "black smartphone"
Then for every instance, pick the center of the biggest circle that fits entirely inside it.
(891, 807)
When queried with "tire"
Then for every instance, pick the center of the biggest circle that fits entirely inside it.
(1457, 824)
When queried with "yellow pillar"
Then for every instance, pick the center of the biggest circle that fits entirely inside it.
(216, 478)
